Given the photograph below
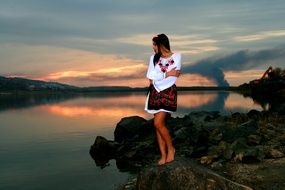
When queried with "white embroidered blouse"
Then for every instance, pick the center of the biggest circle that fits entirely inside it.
(157, 73)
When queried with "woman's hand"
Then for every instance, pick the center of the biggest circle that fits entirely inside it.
(173, 72)
(150, 81)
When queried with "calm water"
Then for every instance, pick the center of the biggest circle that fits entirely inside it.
(45, 140)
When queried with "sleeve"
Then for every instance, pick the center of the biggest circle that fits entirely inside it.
(152, 73)
(178, 62)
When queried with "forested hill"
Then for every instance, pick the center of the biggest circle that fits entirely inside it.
(28, 85)
(22, 84)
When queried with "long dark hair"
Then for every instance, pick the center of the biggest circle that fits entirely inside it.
(160, 40)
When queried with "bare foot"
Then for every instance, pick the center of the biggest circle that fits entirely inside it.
(162, 160)
(170, 155)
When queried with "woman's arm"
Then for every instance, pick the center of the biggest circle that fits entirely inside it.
(173, 72)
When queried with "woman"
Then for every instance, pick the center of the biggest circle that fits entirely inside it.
(164, 68)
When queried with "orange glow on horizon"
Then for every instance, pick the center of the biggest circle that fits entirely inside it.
(124, 70)
(236, 78)
(79, 111)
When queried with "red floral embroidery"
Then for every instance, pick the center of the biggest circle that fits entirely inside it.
(166, 99)
(164, 68)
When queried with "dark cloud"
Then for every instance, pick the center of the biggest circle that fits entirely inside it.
(214, 67)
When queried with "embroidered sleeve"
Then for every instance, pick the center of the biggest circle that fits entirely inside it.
(152, 73)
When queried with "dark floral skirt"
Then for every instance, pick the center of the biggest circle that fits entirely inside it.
(166, 99)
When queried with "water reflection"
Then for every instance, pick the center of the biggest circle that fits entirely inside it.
(58, 129)
(79, 111)
(14, 101)
(234, 102)
(202, 101)
(126, 104)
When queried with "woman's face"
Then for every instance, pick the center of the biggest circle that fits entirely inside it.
(154, 47)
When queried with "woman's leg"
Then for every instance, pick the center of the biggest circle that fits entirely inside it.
(162, 148)
(159, 123)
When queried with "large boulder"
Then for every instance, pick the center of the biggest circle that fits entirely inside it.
(183, 174)
(130, 128)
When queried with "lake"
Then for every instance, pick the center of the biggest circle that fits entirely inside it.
(45, 139)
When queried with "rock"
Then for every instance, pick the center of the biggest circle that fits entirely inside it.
(238, 117)
(269, 174)
(185, 150)
(281, 107)
(253, 140)
(253, 114)
(272, 151)
(183, 174)
(130, 128)
(202, 116)
(246, 153)
(241, 131)
(246, 129)
(102, 151)
(214, 140)
(182, 134)
(215, 136)
(186, 134)
(223, 151)
(208, 159)
(216, 165)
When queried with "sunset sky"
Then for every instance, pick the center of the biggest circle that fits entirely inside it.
(104, 42)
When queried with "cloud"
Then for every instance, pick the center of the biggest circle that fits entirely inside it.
(199, 50)
(260, 36)
(139, 39)
(35, 61)
(186, 44)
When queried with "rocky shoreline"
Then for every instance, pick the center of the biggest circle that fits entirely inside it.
(213, 151)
